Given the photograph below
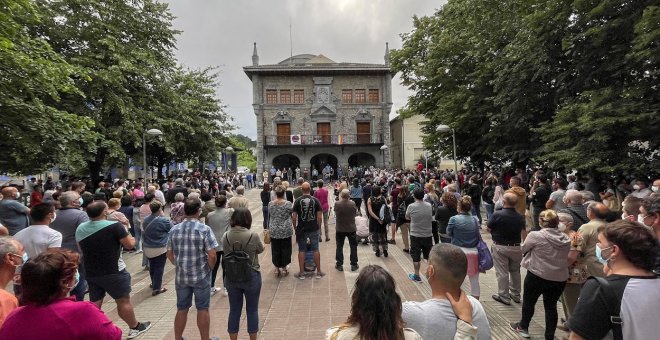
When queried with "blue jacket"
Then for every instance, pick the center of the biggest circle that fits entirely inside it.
(156, 233)
(463, 230)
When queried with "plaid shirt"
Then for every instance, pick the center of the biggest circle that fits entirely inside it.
(190, 241)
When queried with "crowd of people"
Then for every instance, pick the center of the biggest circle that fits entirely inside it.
(593, 245)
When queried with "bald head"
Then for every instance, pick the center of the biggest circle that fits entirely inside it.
(509, 200)
(598, 211)
(96, 209)
(9, 193)
(306, 189)
(573, 197)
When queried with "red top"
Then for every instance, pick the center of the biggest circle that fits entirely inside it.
(322, 195)
(35, 198)
(63, 319)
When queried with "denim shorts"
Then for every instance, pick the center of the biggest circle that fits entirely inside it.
(313, 237)
(117, 285)
(201, 290)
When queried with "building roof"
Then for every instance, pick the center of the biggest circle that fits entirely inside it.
(317, 64)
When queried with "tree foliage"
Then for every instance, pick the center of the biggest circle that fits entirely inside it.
(86, 78)
(573, 84)
(35, 133)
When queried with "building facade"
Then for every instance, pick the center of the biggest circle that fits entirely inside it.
(312, 112)
(407, 147)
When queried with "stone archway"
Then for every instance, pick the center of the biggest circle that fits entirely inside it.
(320, 161)
(362, 159)
(286, 161)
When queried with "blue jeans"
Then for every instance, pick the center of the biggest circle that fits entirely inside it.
(201, 291)
(264, 209)
(156, 269)
(476, 211)
(251, 290)
(138, 236)
(490, 208)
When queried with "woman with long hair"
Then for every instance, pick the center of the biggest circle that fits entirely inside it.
(281, 231)
(464, 231)
(375, 310)
(445, 211)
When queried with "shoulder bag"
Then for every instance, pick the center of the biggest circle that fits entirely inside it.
(485, 258)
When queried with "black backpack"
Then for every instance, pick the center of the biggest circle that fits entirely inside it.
(237, 264)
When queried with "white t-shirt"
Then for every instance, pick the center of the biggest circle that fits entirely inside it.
(38, 238)
(435, 319)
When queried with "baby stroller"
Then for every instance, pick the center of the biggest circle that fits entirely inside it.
(362, 226)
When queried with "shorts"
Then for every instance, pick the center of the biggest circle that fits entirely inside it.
(201, 290)
(117, 285)
(420, 246)
(313, 237)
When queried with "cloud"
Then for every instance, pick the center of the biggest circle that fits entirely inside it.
(221, 33)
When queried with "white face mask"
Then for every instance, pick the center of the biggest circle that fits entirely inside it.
(655, 188)
(624, 216)
(54, 217)
(640, 219)
(636, 187)
(561, 227)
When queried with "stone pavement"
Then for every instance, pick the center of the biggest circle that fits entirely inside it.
(303, 309)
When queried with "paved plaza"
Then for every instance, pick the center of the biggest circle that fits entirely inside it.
(303, 309)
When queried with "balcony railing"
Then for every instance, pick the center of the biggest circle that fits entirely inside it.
(341, 139)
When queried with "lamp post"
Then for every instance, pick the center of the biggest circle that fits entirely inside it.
(445, 128)
(384, 149)
(152, 132)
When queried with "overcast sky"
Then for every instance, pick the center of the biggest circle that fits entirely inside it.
(221, 32)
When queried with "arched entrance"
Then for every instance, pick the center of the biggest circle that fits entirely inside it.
(286, 161)
(362, 159)
(320, 161)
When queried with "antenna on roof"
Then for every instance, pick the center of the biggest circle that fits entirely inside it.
(290, 42)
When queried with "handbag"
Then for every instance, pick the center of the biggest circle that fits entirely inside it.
(266, 236)
(485, 258)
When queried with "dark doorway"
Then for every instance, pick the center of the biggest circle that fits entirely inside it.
(319, 162)
(361, 159)
(286, 161)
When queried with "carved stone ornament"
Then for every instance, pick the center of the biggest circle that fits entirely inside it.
(323, 95)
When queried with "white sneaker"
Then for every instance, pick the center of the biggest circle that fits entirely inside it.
(223, 292)
(214, 290)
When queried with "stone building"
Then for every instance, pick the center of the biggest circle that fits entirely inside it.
(312, 112)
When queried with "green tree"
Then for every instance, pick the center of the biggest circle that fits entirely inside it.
(126, 49)
(34, 133)
(607, 117)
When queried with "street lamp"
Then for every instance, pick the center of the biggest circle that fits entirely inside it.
(152, 132)
(445, 128)
(383, 149)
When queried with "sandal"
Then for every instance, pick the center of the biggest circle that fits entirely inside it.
(285, 272)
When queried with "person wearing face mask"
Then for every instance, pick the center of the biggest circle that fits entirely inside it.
(545, 258)
(39, 237)
(588, 237)
(47, 280)
(625, 302)
(640, 189)
(656, 186)
(630, 208)
(12, 256)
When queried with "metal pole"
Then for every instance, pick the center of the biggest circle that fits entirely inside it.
(144, 155)
(458, 185)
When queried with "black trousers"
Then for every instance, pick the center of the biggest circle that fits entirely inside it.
(281, 251)
(352, 242)
(218, 263)
(534, 287)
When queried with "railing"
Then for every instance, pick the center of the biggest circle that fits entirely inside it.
(340, 139)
